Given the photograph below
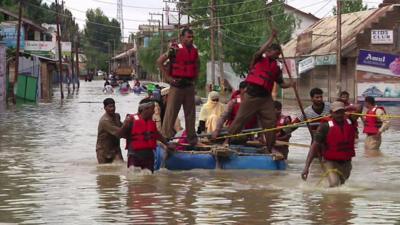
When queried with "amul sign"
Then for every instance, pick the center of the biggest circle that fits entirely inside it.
(381, 36)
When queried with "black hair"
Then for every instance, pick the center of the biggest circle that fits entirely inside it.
(344, 93)
(186, 30)
(316, 91)
(277, 105)
(275, 46)
(242, 85)
(370, 100)
(108, 101)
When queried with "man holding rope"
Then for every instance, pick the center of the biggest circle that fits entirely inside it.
(335, 142)
(257, 101)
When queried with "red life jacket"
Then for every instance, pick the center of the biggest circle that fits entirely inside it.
(184, 65)
(340, 141)
(282, 122)
(249, 125)
(143, 134)
(264, 73)
(372, 123)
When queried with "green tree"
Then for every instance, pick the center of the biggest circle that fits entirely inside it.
(350, 6)
(149, 55)
(100, 34)
(245, 27)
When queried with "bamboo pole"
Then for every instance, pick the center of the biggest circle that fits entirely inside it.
(12, 84)
(294, 86)
(59, 49)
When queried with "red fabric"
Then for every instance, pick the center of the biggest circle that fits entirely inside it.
(142, 162)
(371, 123)
(235, 94)
(264, 73)
(182, 140)
(282, 121)
(249, 125)
(185, 63)
(143, 134)
(340, 141)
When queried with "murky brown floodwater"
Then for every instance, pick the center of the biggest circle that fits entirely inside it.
(49, 175)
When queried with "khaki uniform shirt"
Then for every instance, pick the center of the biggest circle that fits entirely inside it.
(107, 140)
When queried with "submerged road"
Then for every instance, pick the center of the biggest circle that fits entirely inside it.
(49, 175)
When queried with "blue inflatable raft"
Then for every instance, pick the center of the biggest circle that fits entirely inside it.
(245, 158)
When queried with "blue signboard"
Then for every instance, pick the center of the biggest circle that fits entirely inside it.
(9, 36)
(379, 62)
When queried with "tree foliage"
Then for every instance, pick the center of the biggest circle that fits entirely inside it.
(100, 36)
(149, 55)
(244, 27)
(350, 6)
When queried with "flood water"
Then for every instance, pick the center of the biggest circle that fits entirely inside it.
(49, 175)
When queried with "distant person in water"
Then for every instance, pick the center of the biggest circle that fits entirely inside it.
(108, 134)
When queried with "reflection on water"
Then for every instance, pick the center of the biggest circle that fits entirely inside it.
(49, 175)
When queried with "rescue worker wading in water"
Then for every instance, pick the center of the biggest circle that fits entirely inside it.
(334, 140)
(257, 101)
(142, 136)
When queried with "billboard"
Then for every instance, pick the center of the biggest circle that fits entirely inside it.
(378, 75)
(8, 32)
(47, 49)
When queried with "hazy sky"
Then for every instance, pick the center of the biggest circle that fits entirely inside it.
(137, 11)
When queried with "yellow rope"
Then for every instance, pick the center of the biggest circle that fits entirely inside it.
(327, 172)
(272, 129)
(384, 116)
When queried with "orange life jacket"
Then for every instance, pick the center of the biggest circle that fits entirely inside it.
(340, 141)
(264, 73)
(143, 134)
(372, 123)
(184, 64)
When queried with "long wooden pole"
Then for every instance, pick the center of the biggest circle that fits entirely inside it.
(221, 57)
(59, 50)
(294, 86)
(212, 46)
(77, 61)
(338, 47)
(12, 84)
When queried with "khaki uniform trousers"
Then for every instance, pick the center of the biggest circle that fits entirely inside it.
(263, 108)
(178, 97)
(373, 142)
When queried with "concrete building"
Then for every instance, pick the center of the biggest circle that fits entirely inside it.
(370, 45)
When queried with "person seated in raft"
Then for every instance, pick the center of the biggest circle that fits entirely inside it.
(209, 113)
(281, 135)
(230, 113)
(108, 134)
(335, 141)
(142, 136)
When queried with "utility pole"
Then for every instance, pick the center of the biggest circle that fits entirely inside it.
(212, 38)
(338, 47)
(162, 29)
(72, 67)
(77, 60)
(221, 57)
(59, 49)
(12, 84)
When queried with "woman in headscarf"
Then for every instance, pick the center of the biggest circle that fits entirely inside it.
(210, 112)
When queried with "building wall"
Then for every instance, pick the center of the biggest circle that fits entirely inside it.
(302, 22)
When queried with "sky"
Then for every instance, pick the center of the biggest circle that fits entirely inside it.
(136, 12)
